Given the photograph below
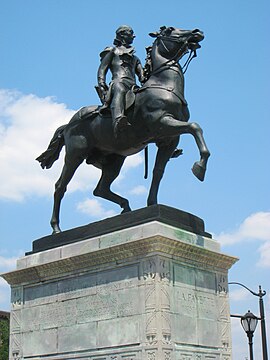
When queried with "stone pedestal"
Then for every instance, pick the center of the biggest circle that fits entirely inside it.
(151, 291)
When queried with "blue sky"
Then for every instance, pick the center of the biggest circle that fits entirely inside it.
(49, 58)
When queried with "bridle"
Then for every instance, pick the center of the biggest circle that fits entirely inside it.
(182, 49)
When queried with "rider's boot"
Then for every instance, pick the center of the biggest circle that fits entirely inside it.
(120, 124)
(119, 120)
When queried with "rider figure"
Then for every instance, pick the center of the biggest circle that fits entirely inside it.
(123, 65)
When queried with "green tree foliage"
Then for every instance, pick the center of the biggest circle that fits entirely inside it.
(4, 339)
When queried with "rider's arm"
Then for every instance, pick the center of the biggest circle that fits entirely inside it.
(103, 69)
(139, 70)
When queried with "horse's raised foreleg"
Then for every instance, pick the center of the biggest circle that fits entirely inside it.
(165, 151)
(172, 126)
(199, 167)
(60, 189)
(110, 171)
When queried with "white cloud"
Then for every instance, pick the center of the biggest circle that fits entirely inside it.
(7, 263)
(133, 161)
(94, 208)
(4, 295)
(256, 227)
(239, 342)
(138, 190)
(264, 251)
(130, 162)
(239, 295)
(27, 124)
(3, 285)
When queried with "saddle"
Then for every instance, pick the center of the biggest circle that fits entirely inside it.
(90, 112)
(104, 110)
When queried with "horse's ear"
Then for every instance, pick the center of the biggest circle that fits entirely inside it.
(169, 30)
(154, 34)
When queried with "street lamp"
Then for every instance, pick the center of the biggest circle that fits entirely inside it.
(249, 322)
(260, 294)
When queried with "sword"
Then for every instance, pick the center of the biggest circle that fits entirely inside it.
(100, 94)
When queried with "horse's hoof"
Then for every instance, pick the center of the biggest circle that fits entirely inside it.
(125, 210)
(56, 230)
(198, 170)
(151, 202)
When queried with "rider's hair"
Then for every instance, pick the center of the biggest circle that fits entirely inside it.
(118, 39)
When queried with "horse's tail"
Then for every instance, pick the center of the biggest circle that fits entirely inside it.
(48, 157)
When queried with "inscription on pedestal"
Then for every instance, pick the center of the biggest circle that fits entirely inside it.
(91, 303)
(191, 302)
(197, 356)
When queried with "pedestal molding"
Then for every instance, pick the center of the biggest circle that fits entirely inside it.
(192, 254)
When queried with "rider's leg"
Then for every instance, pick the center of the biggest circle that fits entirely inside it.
(118, 107)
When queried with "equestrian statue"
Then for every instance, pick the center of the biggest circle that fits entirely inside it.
(130, 116)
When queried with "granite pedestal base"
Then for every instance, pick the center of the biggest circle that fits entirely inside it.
(148, 292)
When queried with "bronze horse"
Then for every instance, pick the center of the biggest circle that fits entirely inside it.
(159, 115)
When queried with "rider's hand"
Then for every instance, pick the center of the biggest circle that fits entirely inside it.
(143, 79)
(104, 89)
(103, 86)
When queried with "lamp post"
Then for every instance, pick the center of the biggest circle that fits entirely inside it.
(260, 294)
(249, 322)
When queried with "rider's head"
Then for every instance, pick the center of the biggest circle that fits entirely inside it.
(124, 35)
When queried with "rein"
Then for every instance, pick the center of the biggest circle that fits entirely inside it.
(191, 56)
(165, 47)
(153, 86)
(176, 39)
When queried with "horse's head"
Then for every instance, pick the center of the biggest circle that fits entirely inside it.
(173, 43)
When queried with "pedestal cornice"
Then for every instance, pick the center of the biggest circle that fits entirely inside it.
(189, 253)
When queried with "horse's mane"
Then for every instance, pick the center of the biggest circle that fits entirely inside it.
(147, 70)
(148, 67)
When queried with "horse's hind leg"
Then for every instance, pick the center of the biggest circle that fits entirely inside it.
(165, 151)
(68, 171)
(110, 171)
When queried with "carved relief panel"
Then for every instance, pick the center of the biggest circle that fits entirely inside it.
(156, 274)
(16, 322)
